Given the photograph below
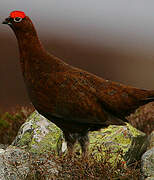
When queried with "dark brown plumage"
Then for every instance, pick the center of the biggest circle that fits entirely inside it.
(75, 100)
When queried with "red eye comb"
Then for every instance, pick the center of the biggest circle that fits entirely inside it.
(15, 14)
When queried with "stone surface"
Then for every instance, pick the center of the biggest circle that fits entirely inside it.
(147, 160)
(148, 163)
(3, 146)
(115, 138)
(143, 118)
(38, 135)
(17, 164)
(14, 164)
(151, 140)
(38, 138)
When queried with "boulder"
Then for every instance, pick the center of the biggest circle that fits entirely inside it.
(38, 135)
(147, 160)
(16, 164)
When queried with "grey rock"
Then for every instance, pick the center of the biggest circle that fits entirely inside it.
(147, 160)
(14, 164)
(3, 146)
(137, 148)
(17, 164)
(151, 140)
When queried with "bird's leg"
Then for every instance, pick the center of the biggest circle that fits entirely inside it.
(70, 148)
(71, 140)
(84, 142)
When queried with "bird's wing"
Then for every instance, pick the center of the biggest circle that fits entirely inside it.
(120, 99)
(116, 98)
(85, 98)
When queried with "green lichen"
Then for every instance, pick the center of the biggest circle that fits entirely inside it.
(39, 143)
(48, 143)
(32, 116)
(26, 139)
(112, 140)
(135, 132)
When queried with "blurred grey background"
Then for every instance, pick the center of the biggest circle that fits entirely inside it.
(113, 39)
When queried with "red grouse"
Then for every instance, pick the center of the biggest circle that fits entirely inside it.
(75, 100)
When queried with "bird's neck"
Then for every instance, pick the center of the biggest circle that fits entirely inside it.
(34, 56)
(29, 44)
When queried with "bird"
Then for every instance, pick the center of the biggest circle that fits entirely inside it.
(75, 100)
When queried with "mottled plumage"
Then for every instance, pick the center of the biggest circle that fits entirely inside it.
(75, 100)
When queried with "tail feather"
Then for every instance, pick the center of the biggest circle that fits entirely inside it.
(147, 100)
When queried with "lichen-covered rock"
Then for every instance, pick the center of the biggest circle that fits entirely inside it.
(147, 160)
(116, 138)
(38, 135)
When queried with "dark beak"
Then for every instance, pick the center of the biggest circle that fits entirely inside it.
(7, 21)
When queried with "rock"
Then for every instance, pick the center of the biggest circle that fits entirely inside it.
(151, 140)
(17, 164)
(117, 138)
(148, 163)
(143, 118)
(14, 164)
(38, 135)
(147, 160)
(137, 148)
(3, 146)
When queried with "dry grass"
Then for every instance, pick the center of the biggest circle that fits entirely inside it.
(89, 168)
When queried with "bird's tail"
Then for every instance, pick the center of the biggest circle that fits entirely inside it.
(149, 97)
(147, 100)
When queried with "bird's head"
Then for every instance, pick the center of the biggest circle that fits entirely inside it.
(18, 21)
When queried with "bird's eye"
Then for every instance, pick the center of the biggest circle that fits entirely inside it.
(17, 19)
